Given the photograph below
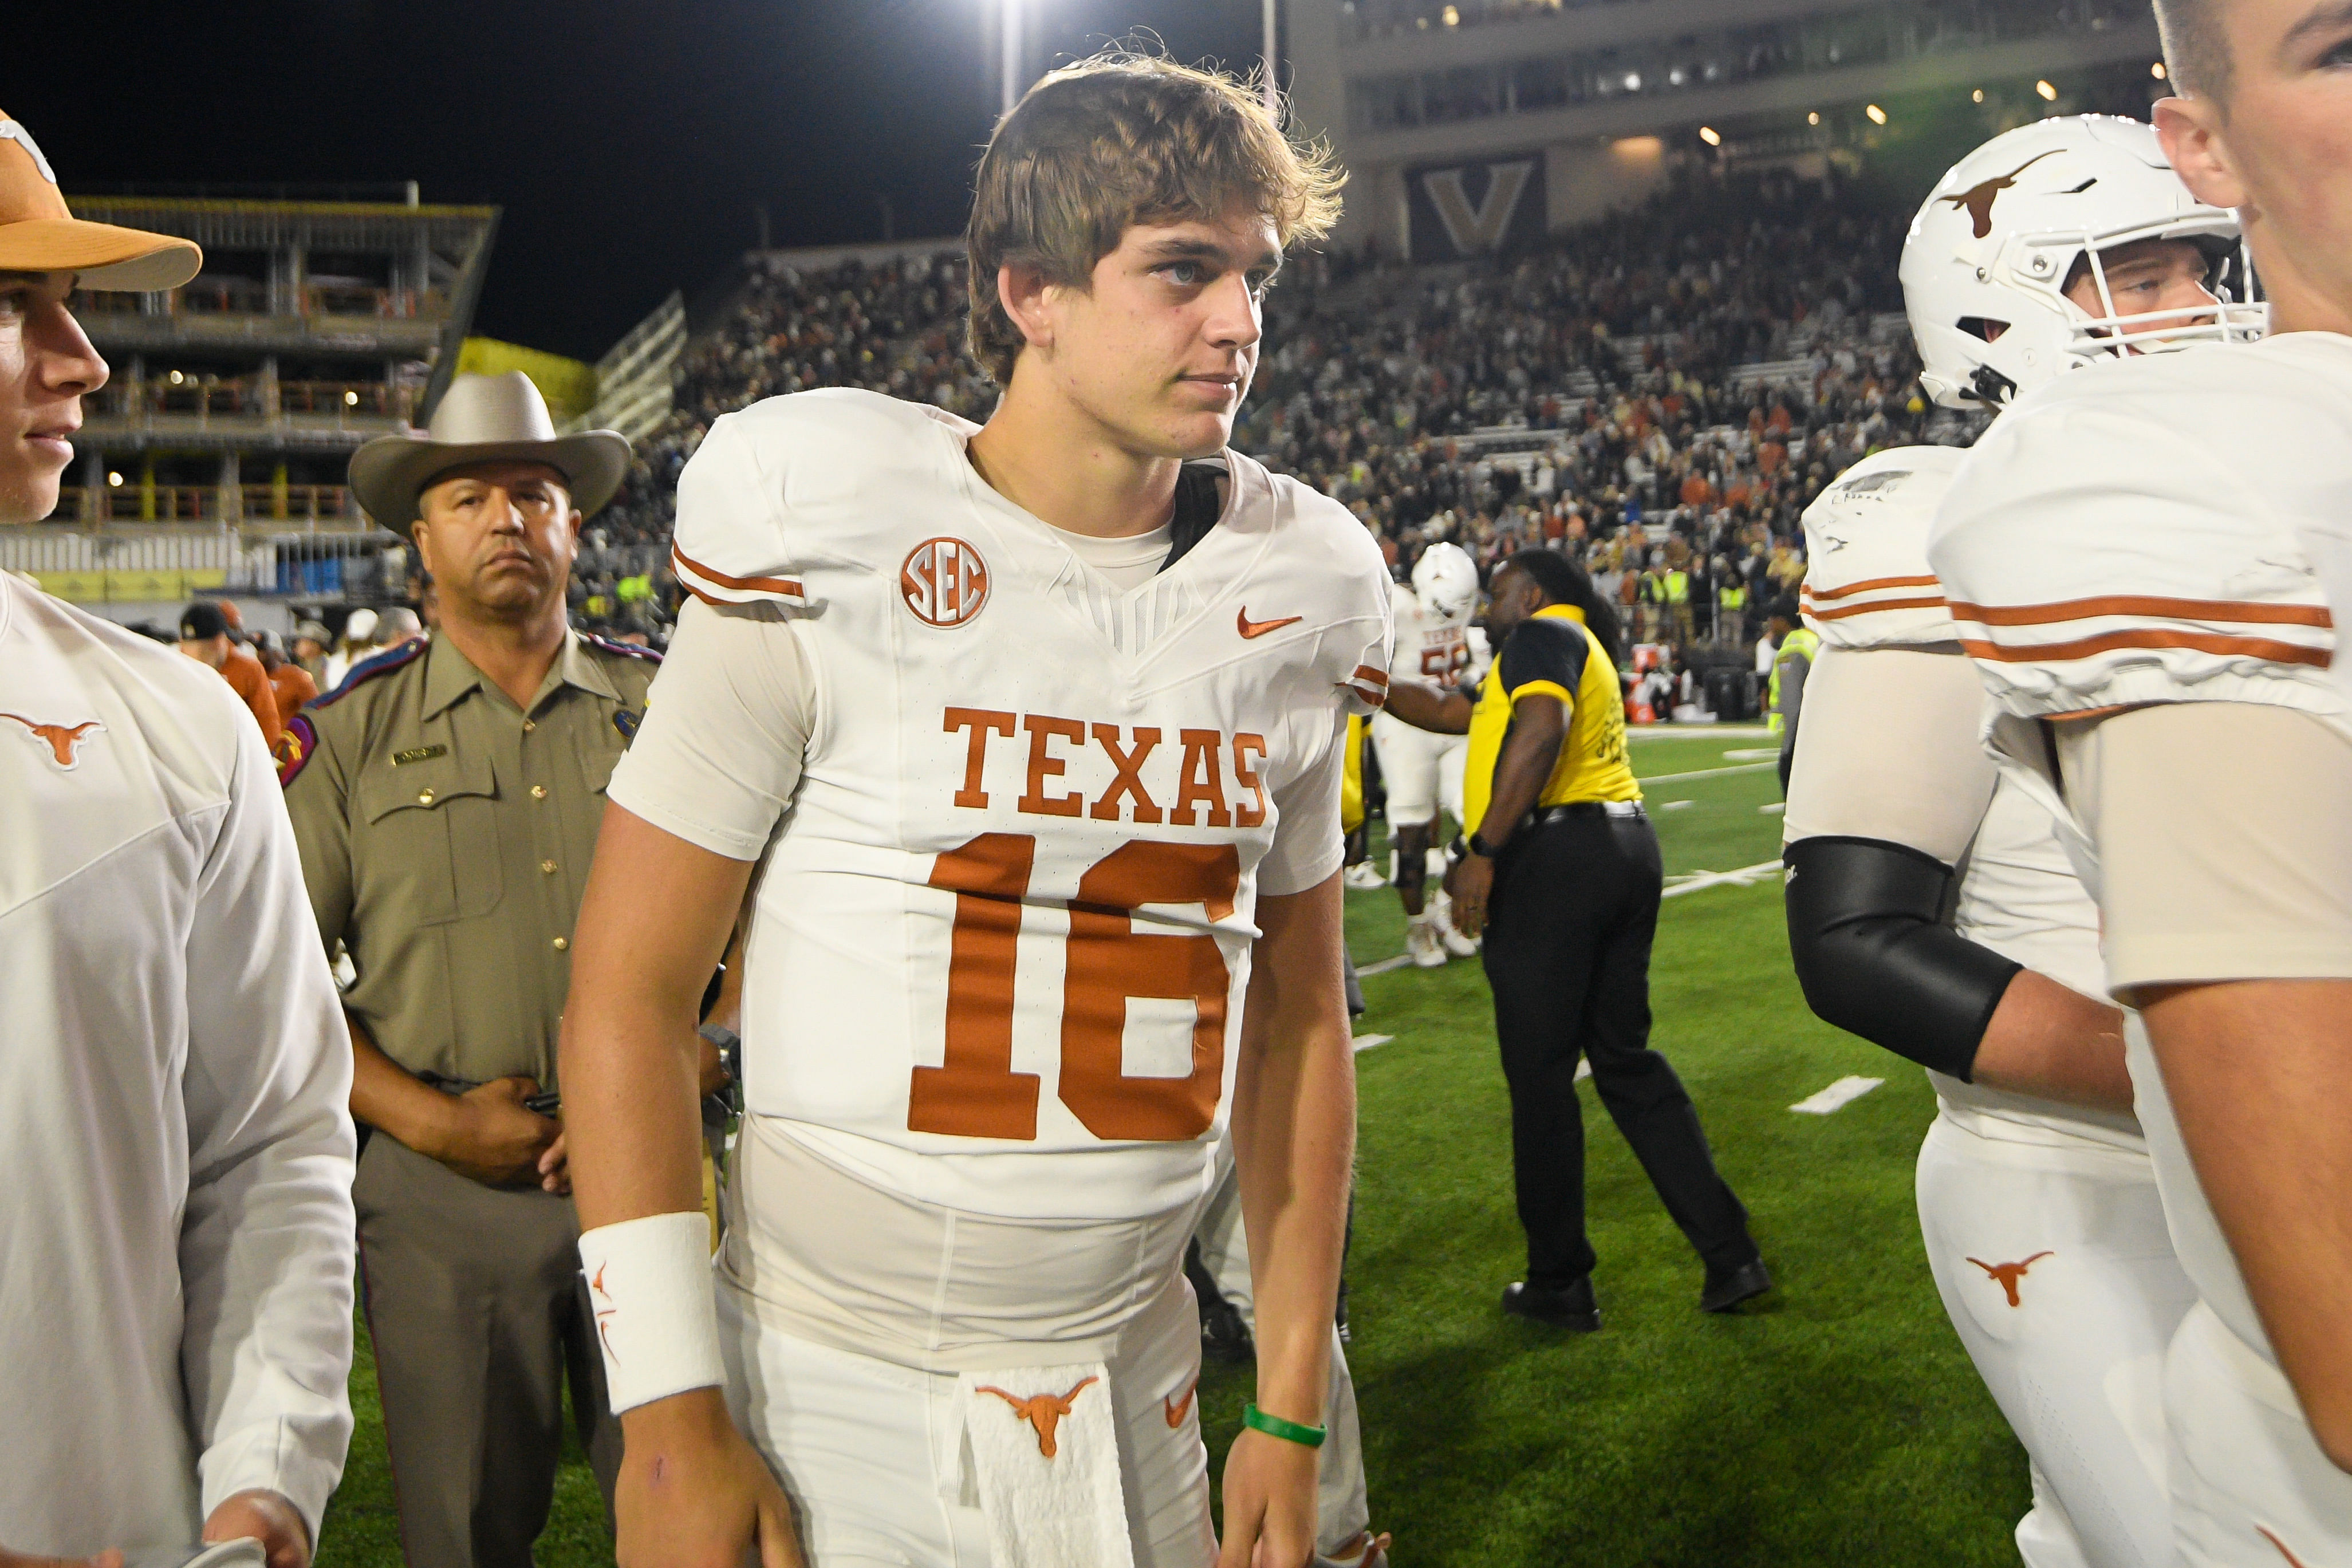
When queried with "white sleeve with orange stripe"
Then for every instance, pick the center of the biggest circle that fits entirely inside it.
(1866, 579)
(2129, 534)
(729, 547)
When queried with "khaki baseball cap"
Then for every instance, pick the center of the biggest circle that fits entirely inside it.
(37, 234)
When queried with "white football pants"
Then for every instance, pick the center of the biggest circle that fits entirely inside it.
(878, 1470)
(1420, 771)
(1342, 1510)
(2056, 1269)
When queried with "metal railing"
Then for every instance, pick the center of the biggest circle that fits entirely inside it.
(242, 297)
(254, 397)
(150, 563)
(316, 505)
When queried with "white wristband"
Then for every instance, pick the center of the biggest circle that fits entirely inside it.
(649, 1282)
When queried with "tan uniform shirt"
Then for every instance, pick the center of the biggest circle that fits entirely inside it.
(446, 836)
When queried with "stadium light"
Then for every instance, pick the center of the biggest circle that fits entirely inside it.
(351, 399)
(2157, 70)
(1273, 20)
(176, 378)
(1010, 14)
(1706, 133)
(1877, 115)
(1977, 96)
(1814, 118)
(1451, 16)
(114, 477)
(2049, 94)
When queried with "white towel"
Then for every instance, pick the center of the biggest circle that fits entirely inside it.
(1045, 1451)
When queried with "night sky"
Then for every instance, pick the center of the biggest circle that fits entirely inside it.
(628, 143)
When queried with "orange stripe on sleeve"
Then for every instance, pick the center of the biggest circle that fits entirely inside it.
(1935, 604)
(1870, 586)
(785, 585)
(2154, 637)
(2237, 610)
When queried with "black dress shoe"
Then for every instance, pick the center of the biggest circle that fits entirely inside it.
(1728, 1289)
(1566, 1307)
(1223, 1336)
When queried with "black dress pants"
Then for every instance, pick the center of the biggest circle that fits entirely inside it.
(1570, 923)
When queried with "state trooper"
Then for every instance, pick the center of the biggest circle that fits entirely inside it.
(446, 798)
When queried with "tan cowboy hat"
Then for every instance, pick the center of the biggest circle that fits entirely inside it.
(486, 419)
(37, 234)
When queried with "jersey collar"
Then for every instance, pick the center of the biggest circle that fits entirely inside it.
(1560, 612)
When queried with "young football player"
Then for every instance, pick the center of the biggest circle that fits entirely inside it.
(2130, 559)
(2050, 248)
(1024, 740)
(1422, 771)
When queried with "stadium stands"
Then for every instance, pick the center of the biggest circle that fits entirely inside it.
(1665, 388)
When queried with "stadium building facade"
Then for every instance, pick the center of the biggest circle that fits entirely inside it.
(1473, 126)
(214, 457)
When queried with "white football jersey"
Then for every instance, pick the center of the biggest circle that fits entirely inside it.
(1867, 584)
(1002, 931)
(2138, 531)
(1868, 587)
(1433, 651)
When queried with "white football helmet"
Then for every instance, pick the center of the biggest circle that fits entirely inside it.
(1446, 580)
(1992, 250)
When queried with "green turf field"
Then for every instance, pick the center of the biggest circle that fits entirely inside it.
(1839, 1424)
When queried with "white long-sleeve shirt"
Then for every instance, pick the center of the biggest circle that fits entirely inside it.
(175, 1140)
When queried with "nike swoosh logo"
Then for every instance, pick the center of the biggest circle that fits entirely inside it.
(1250, 628)
(1175, 1408)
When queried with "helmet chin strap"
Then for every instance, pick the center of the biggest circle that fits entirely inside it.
(1989, 387)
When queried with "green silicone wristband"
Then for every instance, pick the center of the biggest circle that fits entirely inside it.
(1288, 1431)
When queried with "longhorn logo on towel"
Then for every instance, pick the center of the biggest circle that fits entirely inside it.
(1043, 1411)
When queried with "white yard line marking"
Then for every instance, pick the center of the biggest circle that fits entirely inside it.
(1696, 732)
(1839, 1095)
(1365, 1042)
(1583, 1069)
(1710, 773)
(1674, 805)
(1745, 876)
(1384, 965)
(1764, 753)
(1773, 808)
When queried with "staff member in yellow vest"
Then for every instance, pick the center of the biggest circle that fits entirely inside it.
(1678, 606)
(1795, 645)
(1563, 871)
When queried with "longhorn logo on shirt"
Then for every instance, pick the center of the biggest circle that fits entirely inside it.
(1043, 1411)
(2008, 1275)
(63, 740)
(944, 583)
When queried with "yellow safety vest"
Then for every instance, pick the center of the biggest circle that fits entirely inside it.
(1800, 641)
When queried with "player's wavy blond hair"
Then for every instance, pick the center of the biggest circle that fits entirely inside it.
(1122, 138)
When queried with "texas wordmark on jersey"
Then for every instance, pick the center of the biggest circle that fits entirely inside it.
(1008, 918)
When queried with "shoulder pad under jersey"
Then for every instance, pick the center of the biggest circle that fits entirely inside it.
(2133, 533)
(1867, 582)
(747, 496)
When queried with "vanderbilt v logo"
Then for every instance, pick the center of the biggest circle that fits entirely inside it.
(1481, 227)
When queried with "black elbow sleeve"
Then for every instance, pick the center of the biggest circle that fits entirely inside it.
(1866, 929)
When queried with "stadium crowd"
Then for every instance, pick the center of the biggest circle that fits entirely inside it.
(1658, 393)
